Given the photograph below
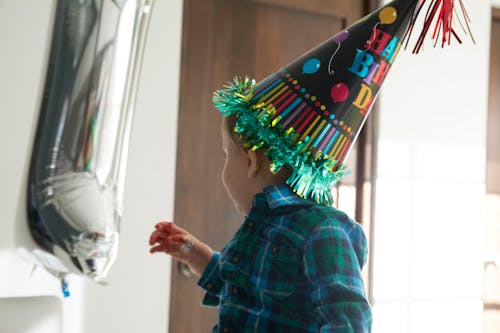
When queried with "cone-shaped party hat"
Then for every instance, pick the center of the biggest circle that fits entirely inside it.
(307, 115)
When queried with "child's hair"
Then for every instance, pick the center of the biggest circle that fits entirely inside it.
(229, 124)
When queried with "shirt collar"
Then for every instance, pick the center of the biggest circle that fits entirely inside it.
(277, 196)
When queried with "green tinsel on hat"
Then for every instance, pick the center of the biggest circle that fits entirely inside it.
(312, 176)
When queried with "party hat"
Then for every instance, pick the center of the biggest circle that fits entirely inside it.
(308, 114)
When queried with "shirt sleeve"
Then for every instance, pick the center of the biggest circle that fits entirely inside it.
(333, 268)
(210, 281)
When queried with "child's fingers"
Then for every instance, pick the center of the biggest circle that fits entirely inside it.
(170, 227)
(157, 236)
(163, 229)
(172, 248)
(157, 248)
(161, 237)
(164, 226)
(167, 248)
(154, 237)
(170, 242)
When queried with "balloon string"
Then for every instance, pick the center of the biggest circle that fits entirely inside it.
(330, 70)
(374, 35)
(64, 287)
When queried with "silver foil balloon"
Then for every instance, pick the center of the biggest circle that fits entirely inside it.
(79, 156)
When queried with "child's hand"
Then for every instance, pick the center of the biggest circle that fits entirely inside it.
(181, 245)
(171, 239)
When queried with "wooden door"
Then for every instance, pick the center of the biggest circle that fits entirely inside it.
(222, 38)
(492, 264)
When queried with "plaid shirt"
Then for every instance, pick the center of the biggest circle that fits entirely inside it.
(292, 266)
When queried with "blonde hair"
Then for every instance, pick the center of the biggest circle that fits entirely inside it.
(229, 124)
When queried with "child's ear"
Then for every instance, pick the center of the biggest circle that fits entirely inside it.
(254, 162)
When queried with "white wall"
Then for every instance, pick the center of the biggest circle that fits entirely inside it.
(45, 314)
(136, 299)
(429, 223)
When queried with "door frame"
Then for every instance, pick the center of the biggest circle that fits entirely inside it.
(494, 87)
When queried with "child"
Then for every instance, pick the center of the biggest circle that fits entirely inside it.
(293, 265)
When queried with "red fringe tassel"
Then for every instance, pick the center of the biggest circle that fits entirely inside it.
(441, 13)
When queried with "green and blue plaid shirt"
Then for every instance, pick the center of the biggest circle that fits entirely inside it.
(292, 266)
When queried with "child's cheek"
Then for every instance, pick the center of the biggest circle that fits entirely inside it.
(224, 174)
